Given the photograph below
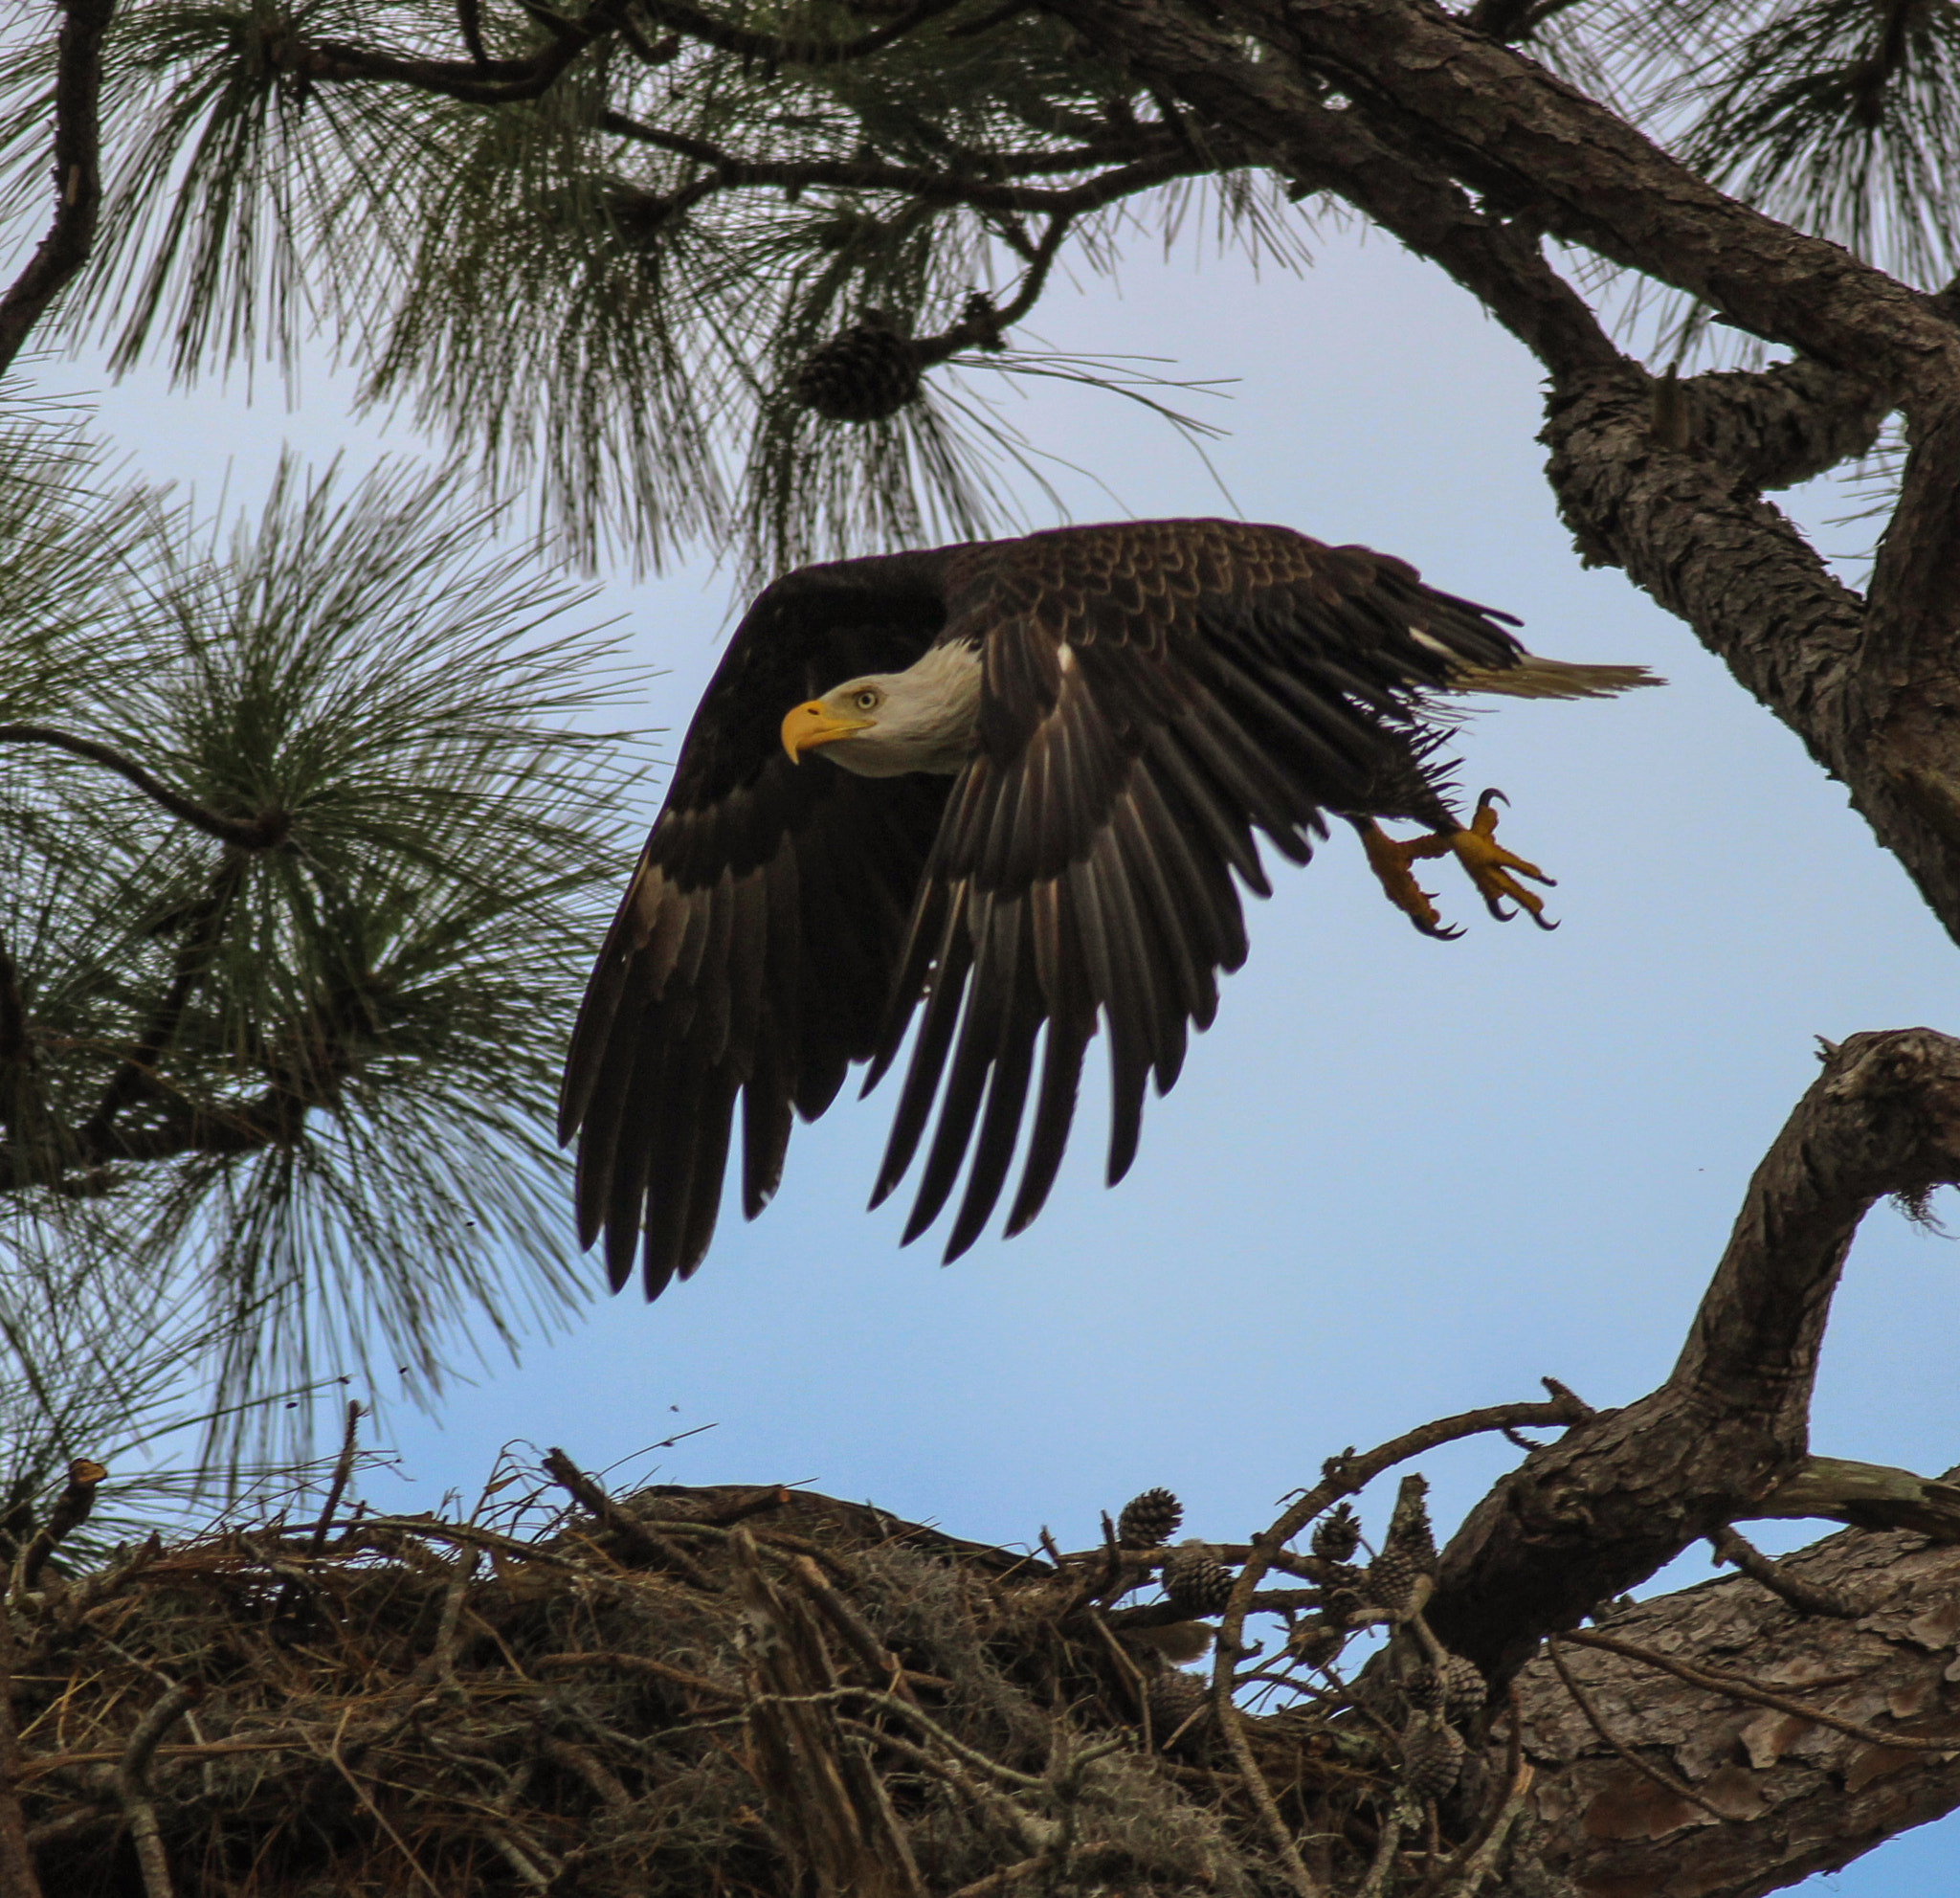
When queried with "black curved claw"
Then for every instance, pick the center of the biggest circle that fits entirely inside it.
(1497, 909)
(1493, 796)
(1440, 933)
(1547, 927)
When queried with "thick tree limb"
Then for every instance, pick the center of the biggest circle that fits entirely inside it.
(1797, 1796)
(1583, 1520)
(78, 176)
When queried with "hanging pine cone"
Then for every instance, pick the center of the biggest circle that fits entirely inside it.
(1465, 1690)
(1173, 1697)
(1337, 1535)
(1194, 1580)
(1149, 1521)
(1425, 1690)
(862, 374)
(1431, 1756)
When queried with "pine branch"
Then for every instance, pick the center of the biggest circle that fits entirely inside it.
(264, 832)
(137, 1073)
(934, 188)
(79, 186)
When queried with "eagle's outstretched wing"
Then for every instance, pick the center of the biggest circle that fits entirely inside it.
(1151, 693)
(755, 947)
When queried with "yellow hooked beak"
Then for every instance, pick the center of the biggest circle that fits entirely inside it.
(810, 726)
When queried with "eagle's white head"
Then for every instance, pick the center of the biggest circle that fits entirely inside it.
(889, 723)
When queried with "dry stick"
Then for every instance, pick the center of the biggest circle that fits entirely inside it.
(1384, 1859)
(999, 1881)
(882, 1663)
(1806, 1598)
(1659, 1775)
(640, 1540)
(18, 1878)
(1484, 1857)
(342, 1469)
(132, 1784)
(361, 1793)
(70, 1511)
(1342, 1476)
(641, 1663)
(1740, 1689)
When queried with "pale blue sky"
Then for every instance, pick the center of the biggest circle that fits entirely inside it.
(1398, 1178)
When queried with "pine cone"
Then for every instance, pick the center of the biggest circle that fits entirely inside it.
(1391, 1581)
(862, 374)
(1431, 1756)
(1194, 1580)
(1465, 1690)
(1409, 1528)
(978, 313)
(1315, 1642)
(1425, 1690)
(1149, 1521)
(1173, 1697)
(1344, 1589)
(1337, 1535)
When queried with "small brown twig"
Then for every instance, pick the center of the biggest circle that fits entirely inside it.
(132, 1784)
(70, 1511)
(653, 1549)
(342, 1470)
(1737, 1688)
(1806, 1598)
(1659, 1775)
(639, 1663)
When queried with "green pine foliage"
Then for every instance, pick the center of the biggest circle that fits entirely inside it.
(282, 1068)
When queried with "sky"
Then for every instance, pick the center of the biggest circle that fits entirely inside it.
(1398, 1178)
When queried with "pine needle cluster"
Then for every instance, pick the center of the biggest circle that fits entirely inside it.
(303, 843)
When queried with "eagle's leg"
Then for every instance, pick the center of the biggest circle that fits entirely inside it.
(1490, 866)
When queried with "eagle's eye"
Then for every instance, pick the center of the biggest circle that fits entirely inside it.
(865, 700)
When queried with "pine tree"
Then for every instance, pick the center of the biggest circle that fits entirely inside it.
(743, 270)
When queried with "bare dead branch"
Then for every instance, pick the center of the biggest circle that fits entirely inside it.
(70, 1510)
(646, 1544)
(1737, 1550)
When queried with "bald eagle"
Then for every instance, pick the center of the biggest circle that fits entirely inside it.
(1011, 782)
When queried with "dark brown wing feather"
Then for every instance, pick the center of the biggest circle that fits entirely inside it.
(754, 951)
(1152, 694)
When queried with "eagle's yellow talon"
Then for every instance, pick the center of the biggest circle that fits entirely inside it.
(1389, 860)
(1487, 863)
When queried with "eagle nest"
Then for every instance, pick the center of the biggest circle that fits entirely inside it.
(725, 1692)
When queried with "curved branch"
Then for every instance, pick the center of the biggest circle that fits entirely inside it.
(78, 176)
(732, 172)
(265, 832)
(1584, 1520)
